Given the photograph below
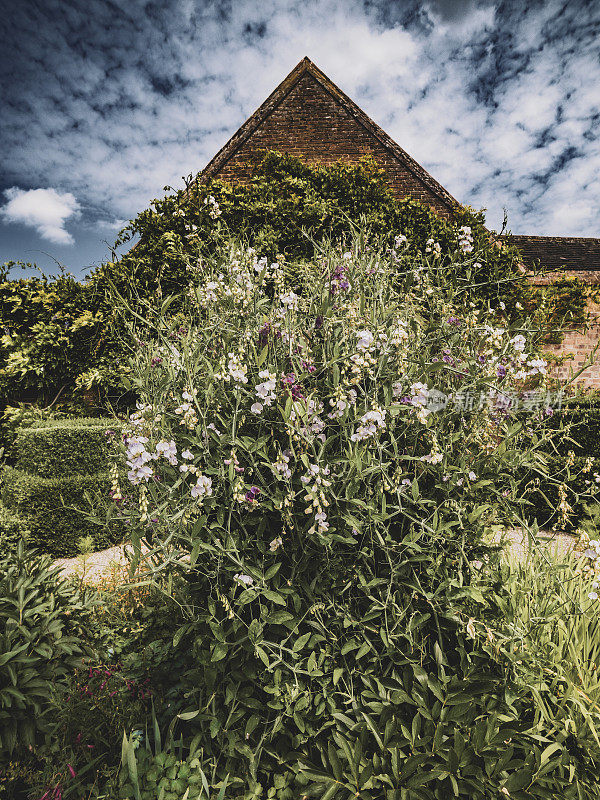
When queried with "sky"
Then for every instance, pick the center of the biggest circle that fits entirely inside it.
(103, 104)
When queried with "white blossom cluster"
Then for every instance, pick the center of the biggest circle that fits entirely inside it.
(306, 415)
(187, 410)
(202, 488)
(315, 481)
(213, 207)
(265, 391)
(431, 246)
(370, 424)
(341, 401)
(281, 466)
(465, 239)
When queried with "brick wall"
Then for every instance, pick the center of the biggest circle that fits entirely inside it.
(311, 124)
(580, 344)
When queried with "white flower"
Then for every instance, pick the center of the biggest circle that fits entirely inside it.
(187, 455)
(370, 423)
(246, 580)
(275, 544)
(593, 595)
(400, 241)
(168, 450)
(365, 340)
(518, 342)
(432, 246)
(236, 369)
(465, 240)
(256, 408)
(202, 487)
(289, 300)
(472, 476)
(433, 458)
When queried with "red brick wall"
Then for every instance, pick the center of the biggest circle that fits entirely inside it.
(580, 345)
(311, 124)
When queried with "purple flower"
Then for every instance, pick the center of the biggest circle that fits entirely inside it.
(263, 334)
(481, 359)
(319, 322)
(156, 361)
(453, 321)
(549, 412)
(252, 494)
(501, 371)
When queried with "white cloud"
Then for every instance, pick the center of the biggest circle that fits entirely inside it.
(498, 101)
(45, 210)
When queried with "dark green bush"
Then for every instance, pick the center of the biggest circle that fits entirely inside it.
(543, 495)
(12, 528)
(42, 619)
(59, 448)
(53, 509)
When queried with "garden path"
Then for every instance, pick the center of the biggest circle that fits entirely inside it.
(98, 567)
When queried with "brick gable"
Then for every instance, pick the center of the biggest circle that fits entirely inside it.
(309, 117)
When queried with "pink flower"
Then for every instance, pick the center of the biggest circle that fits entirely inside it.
(71, 771)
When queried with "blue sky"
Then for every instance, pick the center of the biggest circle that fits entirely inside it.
(105, 103)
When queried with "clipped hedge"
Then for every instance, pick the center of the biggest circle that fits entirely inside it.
(53, 509)
(12, 528)
(55, 448)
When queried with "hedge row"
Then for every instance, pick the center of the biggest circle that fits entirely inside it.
(57, 448)
(60, 480)
(12, 528)
(54, 509)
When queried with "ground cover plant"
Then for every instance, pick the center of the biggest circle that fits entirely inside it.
(319, 471)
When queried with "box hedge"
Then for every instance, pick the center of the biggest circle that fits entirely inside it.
(58, 448)
(12, 528)
(54, 509)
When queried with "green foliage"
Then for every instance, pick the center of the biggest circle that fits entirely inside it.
(552, 618)
(12, 529)
(322, 525)
(54, 509)
(62, 338)
(163, 774)
(56, 448)
(62, 472)
(41, 625)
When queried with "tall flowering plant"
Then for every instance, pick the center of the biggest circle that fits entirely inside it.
(328, 466)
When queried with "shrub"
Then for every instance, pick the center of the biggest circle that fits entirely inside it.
(12, 529)
(316, 469)
(61, 448)
(54, 509)
(41, 624)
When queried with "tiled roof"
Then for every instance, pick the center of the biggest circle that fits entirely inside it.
(558, 252)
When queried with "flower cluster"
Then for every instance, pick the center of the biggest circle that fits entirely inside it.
(315, 482)
(433, 247)
(370, 424)
(265, 391)
(213, 207)
(339, 278)
(202, 488)
(465, 239)
(186, 410)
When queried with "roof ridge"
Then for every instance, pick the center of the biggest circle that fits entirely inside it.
(280, 93)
